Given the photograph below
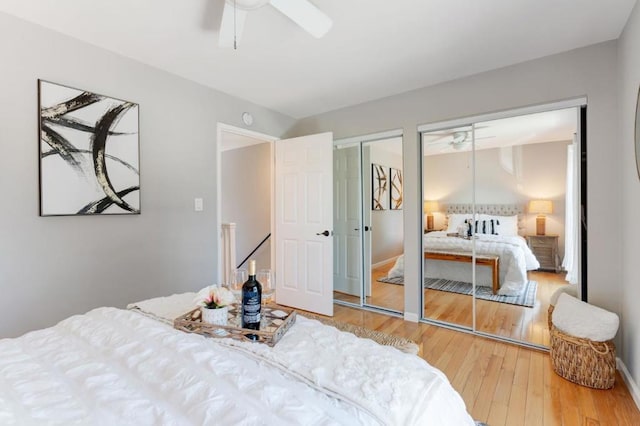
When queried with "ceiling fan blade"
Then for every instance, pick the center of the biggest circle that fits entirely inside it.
(306, 15)
(227, 31)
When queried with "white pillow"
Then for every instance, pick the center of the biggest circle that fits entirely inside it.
(455, 220)
(508, 224)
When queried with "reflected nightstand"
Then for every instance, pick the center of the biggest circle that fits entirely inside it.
(545, 249)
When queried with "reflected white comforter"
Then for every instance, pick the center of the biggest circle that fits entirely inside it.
(516, 258)
(114, 367)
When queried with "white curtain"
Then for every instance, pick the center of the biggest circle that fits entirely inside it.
(572, 222)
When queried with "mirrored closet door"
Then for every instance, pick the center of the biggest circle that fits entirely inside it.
(368, 223)
(447, 180)
(501, 235)
(383, 221)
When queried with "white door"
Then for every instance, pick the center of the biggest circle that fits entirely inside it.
(304, 223)
(346, 220)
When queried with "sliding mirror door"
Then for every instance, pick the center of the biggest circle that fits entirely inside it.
(501, 200)
(447, 174)
(383, 237)
(525, 193)
(368, 223)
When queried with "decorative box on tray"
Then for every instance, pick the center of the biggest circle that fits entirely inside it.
(274, 324)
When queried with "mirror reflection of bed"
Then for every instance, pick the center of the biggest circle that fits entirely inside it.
(519, 173)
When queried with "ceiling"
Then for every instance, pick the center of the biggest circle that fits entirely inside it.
(550, 126)
(376, 48)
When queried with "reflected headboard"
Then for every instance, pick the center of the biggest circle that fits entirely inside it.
(492, 209)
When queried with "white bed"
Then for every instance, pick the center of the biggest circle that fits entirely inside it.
(113, 366)
(515, 256)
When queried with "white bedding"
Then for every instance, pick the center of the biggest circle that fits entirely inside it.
(112, 366)
(516, 259)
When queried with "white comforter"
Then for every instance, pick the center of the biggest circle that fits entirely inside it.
(116, 367)
(516, 259)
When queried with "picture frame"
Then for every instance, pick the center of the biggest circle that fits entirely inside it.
(637, 133)
(379, 187)
(395, 190)
(89, 153)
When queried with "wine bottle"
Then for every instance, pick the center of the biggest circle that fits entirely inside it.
(251, 301)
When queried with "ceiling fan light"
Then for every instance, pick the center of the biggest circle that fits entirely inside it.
(306, 15)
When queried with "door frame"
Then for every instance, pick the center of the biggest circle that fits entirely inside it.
(222, 128)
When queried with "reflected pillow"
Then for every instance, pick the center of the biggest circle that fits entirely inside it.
(455, 220)
(483, 226)
(508, 224)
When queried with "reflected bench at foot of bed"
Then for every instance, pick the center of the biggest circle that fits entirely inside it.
(485, 260)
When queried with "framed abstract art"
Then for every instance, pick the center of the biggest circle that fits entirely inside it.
(88, 153)
(637, 133)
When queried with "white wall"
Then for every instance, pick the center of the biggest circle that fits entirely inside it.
(246, 199)
(590, 71)
(629, 80)
(541, 173)
(52, 267)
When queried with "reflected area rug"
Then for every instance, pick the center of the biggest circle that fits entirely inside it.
(526, 298)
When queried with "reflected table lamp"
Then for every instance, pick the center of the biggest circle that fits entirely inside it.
(430, 207)
(541, 208)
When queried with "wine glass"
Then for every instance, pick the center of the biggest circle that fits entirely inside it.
(237, 279)
(264, 277)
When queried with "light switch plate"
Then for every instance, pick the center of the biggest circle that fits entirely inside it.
(198, 204)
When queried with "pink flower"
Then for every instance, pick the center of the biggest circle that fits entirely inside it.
(215, 297)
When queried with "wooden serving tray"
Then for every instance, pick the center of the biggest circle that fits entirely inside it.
(274, 324)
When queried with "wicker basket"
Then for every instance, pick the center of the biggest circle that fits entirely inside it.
(551, 307)
(583, 361)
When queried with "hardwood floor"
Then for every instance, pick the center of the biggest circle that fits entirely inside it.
(503, 384)
(513, 321)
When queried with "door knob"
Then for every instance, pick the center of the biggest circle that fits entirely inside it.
(325, 233)
(367, 228)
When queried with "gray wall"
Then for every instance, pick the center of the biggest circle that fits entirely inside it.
(629, 80)
(591, 71)
(246, 199)
(52, 267)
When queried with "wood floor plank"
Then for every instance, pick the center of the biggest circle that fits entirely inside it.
(525, 388)
(534, 413)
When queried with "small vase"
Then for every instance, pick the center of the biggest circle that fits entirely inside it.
(217, 316)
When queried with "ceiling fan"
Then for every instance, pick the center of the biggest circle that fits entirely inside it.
(456, 139)
(302, 12)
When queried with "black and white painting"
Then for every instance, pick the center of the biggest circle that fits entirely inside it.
(89, 153)
(379, 185)
(396, 189)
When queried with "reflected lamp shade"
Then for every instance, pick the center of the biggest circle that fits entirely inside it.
(541, 208)
(429, 208)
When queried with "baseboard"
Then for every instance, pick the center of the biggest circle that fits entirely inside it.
(411, 317)
(628, 380)
(384, 262)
